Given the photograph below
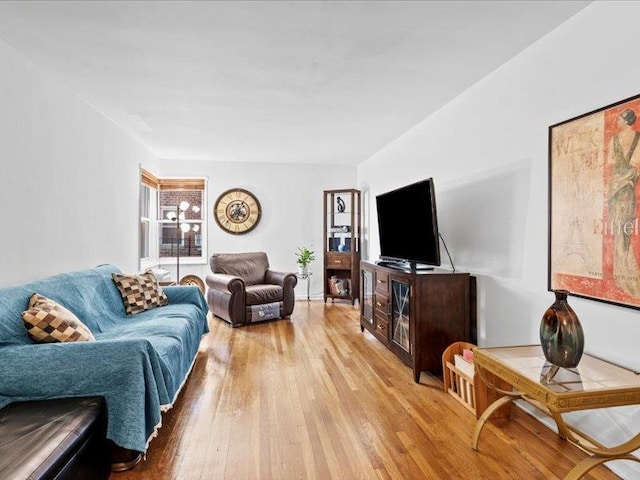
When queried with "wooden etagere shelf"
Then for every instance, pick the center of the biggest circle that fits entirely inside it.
(342, 226)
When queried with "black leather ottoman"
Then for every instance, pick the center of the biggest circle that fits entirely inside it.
(54, 439)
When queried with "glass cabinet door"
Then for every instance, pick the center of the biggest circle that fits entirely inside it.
(400, 314)
(367, 296)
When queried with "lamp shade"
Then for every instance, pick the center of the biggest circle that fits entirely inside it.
(184, 205)
(185, 227)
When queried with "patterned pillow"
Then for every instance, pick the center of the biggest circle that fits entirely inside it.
(140, 292)
(49, 322)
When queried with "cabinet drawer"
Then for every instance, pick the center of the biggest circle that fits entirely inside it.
(338, 260)
(382, 283)
(382, 329)
(382, 305)
(381, 317)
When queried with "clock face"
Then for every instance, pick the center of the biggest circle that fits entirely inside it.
(237, 211)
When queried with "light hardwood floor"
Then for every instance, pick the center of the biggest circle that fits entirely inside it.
(315, 398)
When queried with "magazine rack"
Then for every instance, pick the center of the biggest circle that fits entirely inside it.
(466, 386)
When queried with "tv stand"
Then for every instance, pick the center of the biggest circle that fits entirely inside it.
(417, 314)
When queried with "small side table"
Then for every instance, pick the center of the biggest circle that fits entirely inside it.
(307, 277)
(593, 384)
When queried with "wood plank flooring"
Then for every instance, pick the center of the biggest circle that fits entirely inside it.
(315, 398)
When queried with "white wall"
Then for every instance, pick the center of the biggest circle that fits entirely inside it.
(487, 152)
(291, 199)
(68, 179)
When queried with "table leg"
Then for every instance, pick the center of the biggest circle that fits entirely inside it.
(599, 454)
(308, 282)
(502, 401)
(589, 463)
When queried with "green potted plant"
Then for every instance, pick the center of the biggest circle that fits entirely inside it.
(304, 256)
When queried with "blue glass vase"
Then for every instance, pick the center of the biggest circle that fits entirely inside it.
(561, 335)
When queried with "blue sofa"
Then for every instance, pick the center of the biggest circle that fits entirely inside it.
(138, 363)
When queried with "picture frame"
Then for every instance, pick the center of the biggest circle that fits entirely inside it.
(594, 204)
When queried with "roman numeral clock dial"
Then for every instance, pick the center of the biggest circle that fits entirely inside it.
(237, 211)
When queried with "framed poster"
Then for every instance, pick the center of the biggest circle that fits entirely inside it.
(594, 204)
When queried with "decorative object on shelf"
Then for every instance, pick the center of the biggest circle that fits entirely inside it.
(304, 257)
(340, 205)
(182, 227)
(561, 334)
(237, 211)
(340, 244)
(339, 286)
(193, 280)
(593, 210)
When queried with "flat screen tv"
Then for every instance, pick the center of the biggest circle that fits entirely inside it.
(408, 226)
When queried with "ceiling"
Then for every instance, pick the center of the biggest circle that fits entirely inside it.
(328, 82)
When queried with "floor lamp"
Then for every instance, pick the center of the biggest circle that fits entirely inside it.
(182, 227)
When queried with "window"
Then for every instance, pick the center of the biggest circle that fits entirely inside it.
(172, 219)
(167, 229)
(147, 209)
(145, 195)
(181, 224)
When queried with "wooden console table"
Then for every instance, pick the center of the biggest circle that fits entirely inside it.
(593, 384)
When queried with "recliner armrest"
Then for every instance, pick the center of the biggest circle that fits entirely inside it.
(279, 278)
(230, 283)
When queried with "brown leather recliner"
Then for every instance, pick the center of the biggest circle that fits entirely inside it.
(242, 288)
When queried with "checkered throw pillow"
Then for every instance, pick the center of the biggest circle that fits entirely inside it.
(139, 292)
(47, 321)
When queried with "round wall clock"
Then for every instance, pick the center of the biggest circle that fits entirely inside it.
(237, 211)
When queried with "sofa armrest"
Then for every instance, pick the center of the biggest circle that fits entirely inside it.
(226, 283)
(280, 278)
(186, 294)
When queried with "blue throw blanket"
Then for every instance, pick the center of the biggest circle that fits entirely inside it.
(138, 363)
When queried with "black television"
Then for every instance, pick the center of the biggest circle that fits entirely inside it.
(408, 226)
